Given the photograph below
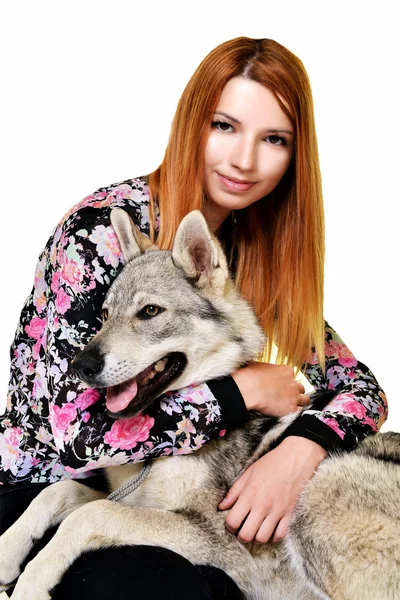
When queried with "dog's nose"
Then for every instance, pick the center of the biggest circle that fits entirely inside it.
(88, 364)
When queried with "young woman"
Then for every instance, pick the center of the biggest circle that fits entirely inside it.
(243, 150)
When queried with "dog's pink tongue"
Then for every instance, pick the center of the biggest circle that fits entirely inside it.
(119, 396)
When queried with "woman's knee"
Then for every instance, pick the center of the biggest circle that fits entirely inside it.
(136, 571)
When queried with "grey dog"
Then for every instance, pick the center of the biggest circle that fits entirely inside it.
(172, 318)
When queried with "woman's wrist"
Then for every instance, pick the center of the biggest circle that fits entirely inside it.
(270, 389)
(240, 378)
(305, 447)
(231, 402)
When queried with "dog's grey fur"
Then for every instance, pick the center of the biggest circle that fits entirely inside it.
(344, 536)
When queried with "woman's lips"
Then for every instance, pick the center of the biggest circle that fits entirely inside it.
(235, 185)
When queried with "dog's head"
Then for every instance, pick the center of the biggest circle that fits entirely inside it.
(170, 319)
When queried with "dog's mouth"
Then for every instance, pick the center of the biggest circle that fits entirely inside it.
(131, 396)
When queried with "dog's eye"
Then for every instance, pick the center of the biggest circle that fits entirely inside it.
(104, 314)
(150, 310)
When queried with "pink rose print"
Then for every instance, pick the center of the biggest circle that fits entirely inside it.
(63, 301)
(61, 418)
(354, 408)
(14, 436)
(55, 282)
(87, 398)
(36, 328)
(313, 359)
(125, 434)
(360, 411)
(340, 351)
(36, 349)
(348, 361)
(334, 425)
(71, 272)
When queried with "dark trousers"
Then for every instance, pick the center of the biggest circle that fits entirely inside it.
(126, 572)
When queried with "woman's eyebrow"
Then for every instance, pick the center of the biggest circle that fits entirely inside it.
(273, 131)
(219, 112)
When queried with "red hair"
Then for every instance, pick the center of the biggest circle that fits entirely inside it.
(279, 240)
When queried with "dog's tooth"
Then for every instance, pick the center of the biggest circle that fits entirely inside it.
(160, 365)
(149, 376)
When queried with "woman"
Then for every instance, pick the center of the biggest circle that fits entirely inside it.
(243, 150)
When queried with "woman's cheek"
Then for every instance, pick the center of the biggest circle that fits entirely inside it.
(217, 149)
(276, 164)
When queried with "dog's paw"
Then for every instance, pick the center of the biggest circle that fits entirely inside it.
(4, 587)
(12, 552)
(9, 572)
(26, 589)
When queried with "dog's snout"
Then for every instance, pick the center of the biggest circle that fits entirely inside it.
(88, 364)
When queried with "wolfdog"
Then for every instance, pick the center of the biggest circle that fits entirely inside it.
(173, 318)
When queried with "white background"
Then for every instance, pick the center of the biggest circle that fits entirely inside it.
(88, 92)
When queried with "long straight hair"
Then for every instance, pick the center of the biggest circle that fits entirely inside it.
(278, 240)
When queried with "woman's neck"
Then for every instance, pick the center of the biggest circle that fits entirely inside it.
(215, 216)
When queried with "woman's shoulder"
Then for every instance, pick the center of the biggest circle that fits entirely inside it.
(88, 221)
(131, 194)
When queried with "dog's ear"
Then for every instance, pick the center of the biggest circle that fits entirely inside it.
(195, 249)
(131, 240)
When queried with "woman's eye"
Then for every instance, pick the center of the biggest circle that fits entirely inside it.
(276, 140)
(104, 314)
(222, 126)
(150, 310)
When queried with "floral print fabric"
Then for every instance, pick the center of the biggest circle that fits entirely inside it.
(55, 428)
(360, 406)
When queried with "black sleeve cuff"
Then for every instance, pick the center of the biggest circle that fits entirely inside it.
(233, 408)
(313, 429)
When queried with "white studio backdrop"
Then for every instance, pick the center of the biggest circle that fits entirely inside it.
(89, 90)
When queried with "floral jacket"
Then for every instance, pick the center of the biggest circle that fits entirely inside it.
(55, 428)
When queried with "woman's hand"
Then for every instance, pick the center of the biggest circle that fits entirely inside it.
(270, 389)
(263, 498)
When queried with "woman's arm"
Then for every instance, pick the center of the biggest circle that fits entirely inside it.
(359, 407)
(54, 426)
(262, 500)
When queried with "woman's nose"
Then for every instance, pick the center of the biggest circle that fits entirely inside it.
(244, 155)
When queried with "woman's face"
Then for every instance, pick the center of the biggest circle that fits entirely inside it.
(249, 148)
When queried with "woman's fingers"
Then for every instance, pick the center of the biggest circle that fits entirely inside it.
(237, 515)
(303, 400)
(251, 526)
(281, 529)
(266, 530)
(234, 492)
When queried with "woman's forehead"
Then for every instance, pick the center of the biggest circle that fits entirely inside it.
(245, 101)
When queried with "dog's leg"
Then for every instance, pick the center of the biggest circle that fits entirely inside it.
(103, 524)
(49, 508)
